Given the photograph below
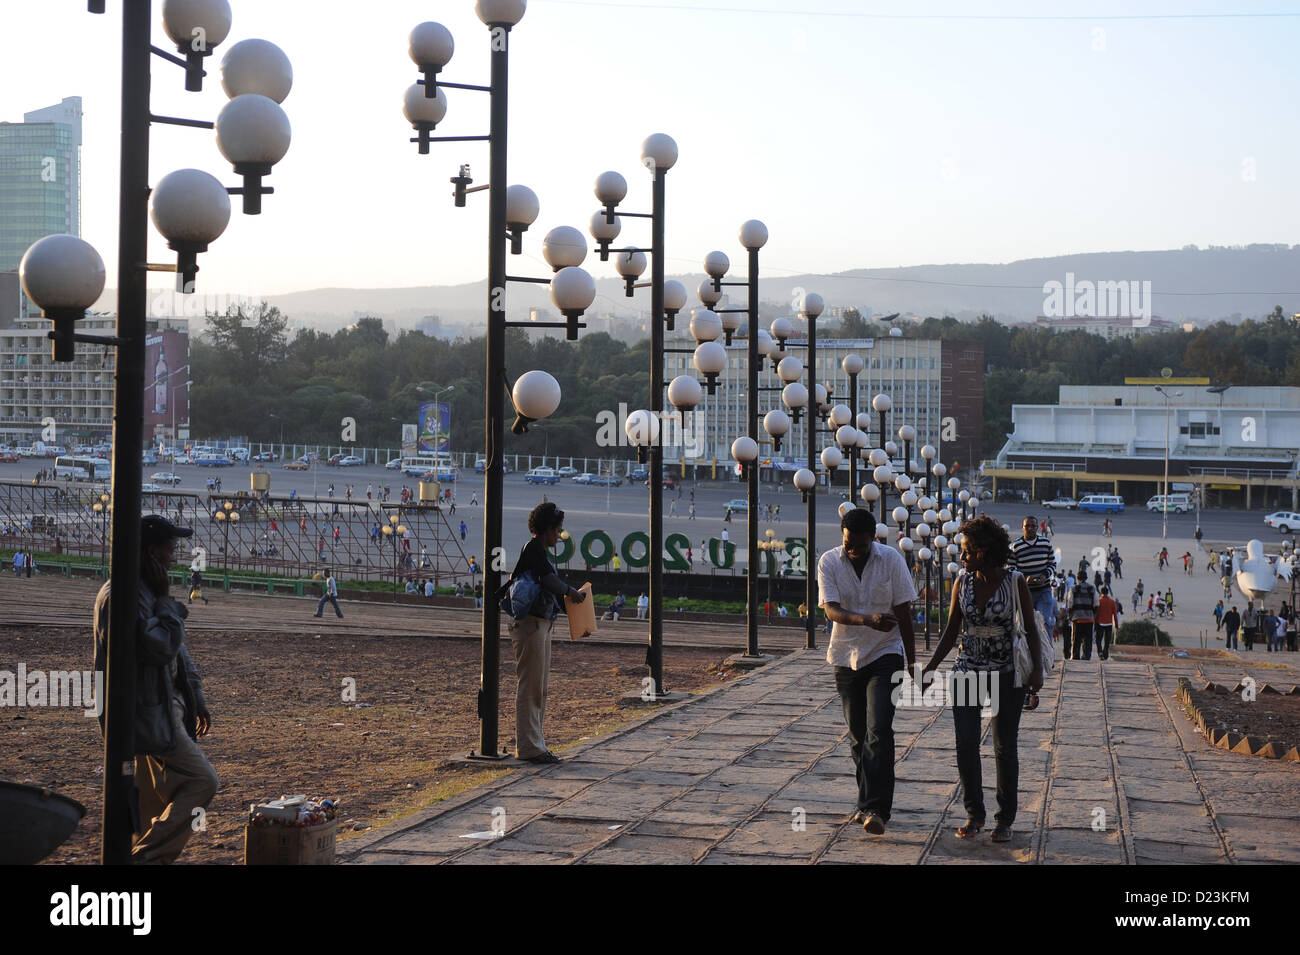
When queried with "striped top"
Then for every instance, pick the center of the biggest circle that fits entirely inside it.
(1032, 558)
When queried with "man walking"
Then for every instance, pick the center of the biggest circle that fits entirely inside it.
(1108, 611)
(867, 594)
(1231, 621)
(1032, 556)
(331, 594)
(1250, 624)
(464, 529)
(1082, 601)
(642, 606)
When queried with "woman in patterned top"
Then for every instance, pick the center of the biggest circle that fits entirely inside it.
(983, 630)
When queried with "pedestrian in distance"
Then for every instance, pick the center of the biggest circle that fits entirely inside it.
(642, 606)
(330, 595)
(1082, 603)
(196, 586)
(982, 624)
(867, 593)
(174, 782)
(1231, 627)
(464, 530)
(1187, 562)
(1218, 616)
(1108, 614)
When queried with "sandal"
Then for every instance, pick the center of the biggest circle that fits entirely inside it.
(1001, 834)
(546, 757)
(969, 830)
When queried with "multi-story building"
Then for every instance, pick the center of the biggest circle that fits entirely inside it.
(936, 386)
(78, 396)
(40, 178)
(1237, 446)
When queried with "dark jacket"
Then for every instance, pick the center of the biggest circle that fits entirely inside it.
(163, 669)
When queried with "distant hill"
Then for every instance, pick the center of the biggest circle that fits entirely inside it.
(1186, 285)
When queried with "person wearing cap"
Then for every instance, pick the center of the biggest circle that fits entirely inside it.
(172, 776)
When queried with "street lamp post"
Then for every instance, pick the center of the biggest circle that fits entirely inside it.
(511, 210)
(806, 480)
(102, 507)
(394, 531)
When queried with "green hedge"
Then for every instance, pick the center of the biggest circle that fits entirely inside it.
(1142, 633)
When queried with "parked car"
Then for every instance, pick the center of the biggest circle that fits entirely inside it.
(1068, 503)
(149, 457)
(165, 477)
(9, 457)
(480, 465)
(566, 471)
(296, 465)
(351, 461)
(611, 480)
(334, 459)
(542, 476)
(150, 488)
(214, 461)
(1284, 521)
(1177, 503)
(640, 474)
(1102, 503)
(394, 464)
(265, 456)
(736, 504)
(584, 478)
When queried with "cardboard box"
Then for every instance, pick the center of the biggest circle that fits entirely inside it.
(290, 845)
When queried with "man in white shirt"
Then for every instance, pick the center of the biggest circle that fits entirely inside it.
(866, 591)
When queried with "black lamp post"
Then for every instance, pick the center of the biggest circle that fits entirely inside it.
(511, 210)
(102, 507)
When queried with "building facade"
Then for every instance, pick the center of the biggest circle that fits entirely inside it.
(40, 178)
(1237, 446)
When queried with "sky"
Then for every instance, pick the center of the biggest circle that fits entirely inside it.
(864, 134)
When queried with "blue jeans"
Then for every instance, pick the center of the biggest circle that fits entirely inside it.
(1045, 604)
(869, 713)
(332, 599)
(1006, 731)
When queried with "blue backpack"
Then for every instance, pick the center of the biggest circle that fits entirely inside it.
(523, 593)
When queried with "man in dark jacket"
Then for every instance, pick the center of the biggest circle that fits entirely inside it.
(172, 776)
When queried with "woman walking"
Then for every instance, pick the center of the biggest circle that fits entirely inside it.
(982, 626)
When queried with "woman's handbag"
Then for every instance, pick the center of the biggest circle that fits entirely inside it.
(1024, 659)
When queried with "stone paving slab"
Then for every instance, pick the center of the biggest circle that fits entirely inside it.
(758, 772)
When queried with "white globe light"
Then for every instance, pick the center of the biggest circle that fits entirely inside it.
(952, 568)
(794, 395)
(864, 421)
(863, 440)
(804, 480)
(891, 449)
(895, 332)
(881, 403)
(882, 531)
(924, 554)
(899, 514)
(630, 265)
(883, 475)
(852, 364)
(845, 508)
(790, 369)
(832, 458)
(954, 483)
(822, 395)
(684, 393)
(573, 289)
(781, 329)
(776, 423)
(674, 296)
(923, 529)
(753, 235)
(62, 271)
(905, 544)
(642, 428)
(659, 151)
(945, 515)
(710, 296)
(903, 482)
(940, 541)
(928, 452)
(878, 457)
(840, 416)
(257, 66)
(870, 493)
(907, 433)
(253, 129)
(564, 246)
(939, 469)
(500, 12)
(710, 358)
(813, 305)
(603, 230)
(908, 498)
(186, 21)
(744, 449)
(431, 46)
(764, 342)
(536, 395)
(521, 206)
(190, 206)
(706, 325)
(928, 514)
(716, 264)
(963, 496)
(846, 437)
(611, 188)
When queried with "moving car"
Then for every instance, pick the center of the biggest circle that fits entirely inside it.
(640, 474)
(584, 478)
(351, 461)
(542, 476)
(214, 461)
(1177, 503)
(265, 456)
(1068, 503)
(612, 480)
(393, 465)
(9, 457)
(150, 488)
(165, 477)
(566, 471)
(1102, 503)
(334, 459)
(298, 465)
(736, 504)
(1284, 521)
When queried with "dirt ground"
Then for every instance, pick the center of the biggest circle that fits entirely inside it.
(1268, 717)
(280, 724)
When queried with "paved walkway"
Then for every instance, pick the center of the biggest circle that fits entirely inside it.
(758, 771)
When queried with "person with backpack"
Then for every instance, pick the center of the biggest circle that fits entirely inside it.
(531, 633)
(1082, 603)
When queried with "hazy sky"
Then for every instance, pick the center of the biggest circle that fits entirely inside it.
(865, 134)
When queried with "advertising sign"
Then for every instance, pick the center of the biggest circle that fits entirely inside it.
(409, 432)
(435, 427)
(166, 393)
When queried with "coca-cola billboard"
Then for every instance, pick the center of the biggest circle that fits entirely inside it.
(167, 389)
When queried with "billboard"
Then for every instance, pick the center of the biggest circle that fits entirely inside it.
(166, 390)
(409, 432)
(435, 427)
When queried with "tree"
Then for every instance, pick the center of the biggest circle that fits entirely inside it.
(853, 325)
